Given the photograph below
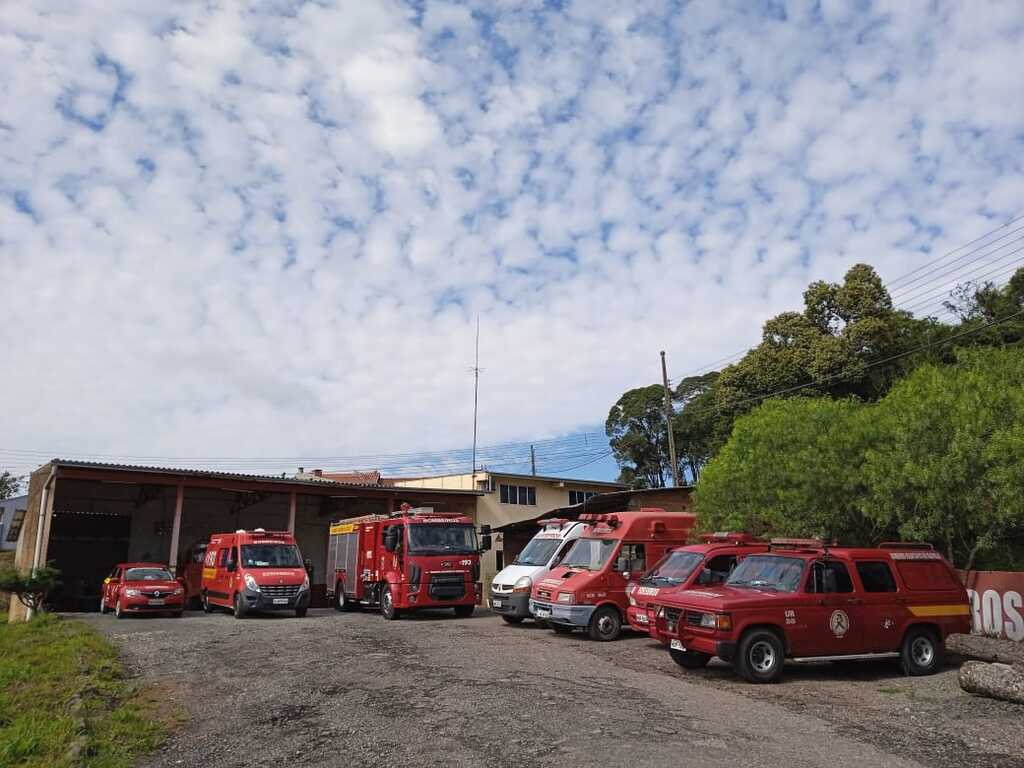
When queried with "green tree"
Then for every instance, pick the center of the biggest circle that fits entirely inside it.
(694, 424)
(949, 463)
(791, 468)
(32, 589)
(638, 436)
(9, 484)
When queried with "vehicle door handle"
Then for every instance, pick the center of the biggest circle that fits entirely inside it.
(854, 601)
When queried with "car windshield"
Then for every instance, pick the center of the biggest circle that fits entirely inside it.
(435, 538)
(271, 556)
(148, 574)
(590, 554)
(781, 574)
(537, 552)
(674, 568)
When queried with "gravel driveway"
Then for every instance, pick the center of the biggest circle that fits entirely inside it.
(352, 689)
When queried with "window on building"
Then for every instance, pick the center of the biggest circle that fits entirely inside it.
(876, 576)
(17, 520)
(578, 497)
(518, 494)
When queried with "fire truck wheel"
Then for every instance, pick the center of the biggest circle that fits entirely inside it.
(205, 603)
(921, 653)
(240, 606)
(387, 605)
(103, 606)
(340, 603)
(689, 659)
(118, 610)
(760, 657)
(512, 619)
(464, 611)
(605, 624)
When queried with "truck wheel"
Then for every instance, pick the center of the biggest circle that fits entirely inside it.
(204, 602)
(300, 613)
(512, 619)
(340, 603)
(464, 611)
(760, 657)
(605, 624)
(387, 605)
(922, 653)
(103, 606)
(240, 606)
(689, 659)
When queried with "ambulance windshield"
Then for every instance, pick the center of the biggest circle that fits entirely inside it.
(590, 554)
(781, 574)
(442, 539)
(270, 556)
(674, 568)
(537, 552)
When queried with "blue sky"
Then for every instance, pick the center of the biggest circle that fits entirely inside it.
(266, 229)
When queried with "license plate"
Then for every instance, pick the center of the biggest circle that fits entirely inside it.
(496, 603)
(280, 601)
(156, 602)
(541, 611)
(641, 618)
(677, 645)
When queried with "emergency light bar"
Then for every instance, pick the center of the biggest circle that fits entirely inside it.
(559, 521)
(612, 521)
(733, 537)
(799, 544)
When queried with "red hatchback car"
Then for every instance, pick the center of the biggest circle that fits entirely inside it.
(142, 588)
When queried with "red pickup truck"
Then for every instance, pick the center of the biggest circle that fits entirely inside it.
(805, 601)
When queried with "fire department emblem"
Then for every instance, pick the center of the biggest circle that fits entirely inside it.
(839, 623)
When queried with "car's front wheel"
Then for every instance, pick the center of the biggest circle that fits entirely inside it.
(240, 607)
(605, 624)
(118, 609)
(760, 657)
(103, 605)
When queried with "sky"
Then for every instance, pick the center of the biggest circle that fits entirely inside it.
(266, 229)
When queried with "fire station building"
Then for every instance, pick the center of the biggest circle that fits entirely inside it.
(86, 517)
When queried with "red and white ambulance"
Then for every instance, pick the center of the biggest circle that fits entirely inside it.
(254, 570)
(692, 566)
(587, 590)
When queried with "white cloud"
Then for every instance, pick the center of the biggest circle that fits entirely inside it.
(253, 230)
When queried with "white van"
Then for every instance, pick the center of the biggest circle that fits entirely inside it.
(510, 589)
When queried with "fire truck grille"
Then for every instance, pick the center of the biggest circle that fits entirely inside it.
(447, 586)
(693, 618)
(672, 618)
(279, 590)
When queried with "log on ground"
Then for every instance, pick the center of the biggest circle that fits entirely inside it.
(997, 681)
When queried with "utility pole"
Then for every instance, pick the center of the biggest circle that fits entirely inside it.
(476, 390)
(533, 462)
(668, 423)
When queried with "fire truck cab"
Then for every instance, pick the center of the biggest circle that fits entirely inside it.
(415, 558)
(690, 567)
(806, 601)
(254, 570)
(587, 590)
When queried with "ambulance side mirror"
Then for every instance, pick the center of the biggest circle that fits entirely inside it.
(391, 538)
(485, 542)
(232, 566)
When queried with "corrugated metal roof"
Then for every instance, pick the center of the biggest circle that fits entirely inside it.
(318, 482)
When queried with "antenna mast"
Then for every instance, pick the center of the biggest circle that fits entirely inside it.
(476, 391)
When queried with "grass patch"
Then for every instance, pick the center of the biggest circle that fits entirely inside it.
(65, 700)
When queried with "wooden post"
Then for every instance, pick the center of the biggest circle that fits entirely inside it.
(43, 529)
(179, 503)
(292, 504)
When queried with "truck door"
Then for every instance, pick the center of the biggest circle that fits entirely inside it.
(883, 611)
(217, 588)
(630, 563)
(832, 622)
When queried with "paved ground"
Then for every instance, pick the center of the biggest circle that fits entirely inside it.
(352, 690)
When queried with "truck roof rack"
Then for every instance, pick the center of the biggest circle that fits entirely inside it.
(800, 544)
(730, 537)
(906, 545)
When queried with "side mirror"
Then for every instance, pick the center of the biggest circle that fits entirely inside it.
(485, 530)
(485, 542)
(625, 575)
(391, 538)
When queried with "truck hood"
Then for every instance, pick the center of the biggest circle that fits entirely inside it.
(563, 579)
(720, 598)
(269, 576)
(511, 573)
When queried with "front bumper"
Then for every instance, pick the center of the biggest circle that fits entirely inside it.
(143, 605)
(640, 620)
(257, 601)
(515, 604)
(723, 649)
(576, 616)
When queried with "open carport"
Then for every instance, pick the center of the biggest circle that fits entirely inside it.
(84, 517)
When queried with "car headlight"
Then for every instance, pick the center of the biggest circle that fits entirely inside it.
(178, 591)
(250, 583)
(523, 584)
(305, 582)
(722, 621)
(632, 600)
(566, 597)
(132, 592)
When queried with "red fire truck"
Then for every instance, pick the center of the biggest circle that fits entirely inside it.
(587, 590)
(695, 565)
(254, 570)
(415, 558)
(806, 601)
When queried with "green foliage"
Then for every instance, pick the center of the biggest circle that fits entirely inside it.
(638, 437)
(9, 484)
(949, 463)
(694, 424)
(791, 468)
(31, 589)
(61, 686)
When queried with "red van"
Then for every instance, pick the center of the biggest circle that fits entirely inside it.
(587, 590)
(693, 566)
(142, 588)
(254, 570)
